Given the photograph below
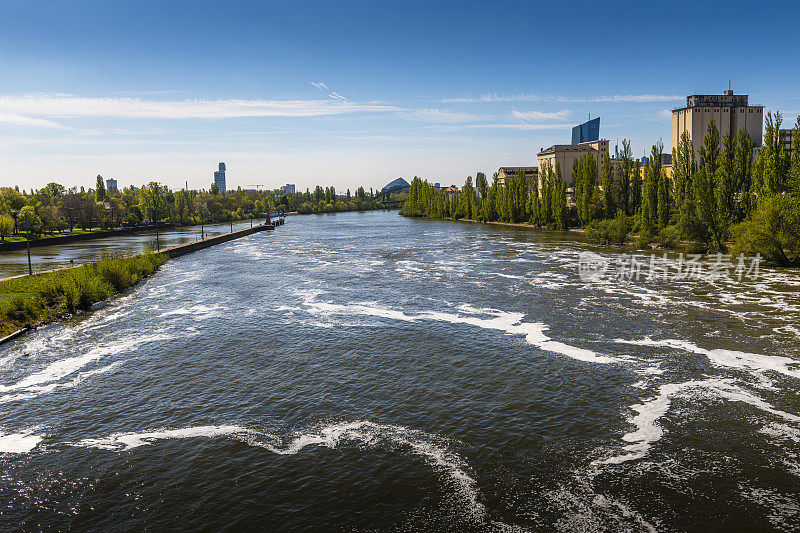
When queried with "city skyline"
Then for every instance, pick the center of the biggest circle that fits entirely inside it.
(311, 97)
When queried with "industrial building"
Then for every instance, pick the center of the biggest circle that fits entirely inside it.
(731, 112)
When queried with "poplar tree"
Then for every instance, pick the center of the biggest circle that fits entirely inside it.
(743, 174)
(649, 203)
(609, 207)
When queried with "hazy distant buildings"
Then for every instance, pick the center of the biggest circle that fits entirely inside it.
(111, 185)
(219, 178)
(729, 111)
(586, 132)
(288, 188)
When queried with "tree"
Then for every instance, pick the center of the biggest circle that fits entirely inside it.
(100, 189)
(607, 179)
(624, 176)
(743, 174)
(6, 226)
(724, 184)
(773, 231)
(29, 220)
(706, 206)
(794, 167)
(649, 204)
(214, 189)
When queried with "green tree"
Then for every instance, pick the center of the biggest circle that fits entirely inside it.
(607, 179)
(6, 226)
(773, 231)
(100, 189)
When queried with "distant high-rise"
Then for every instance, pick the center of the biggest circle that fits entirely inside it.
(111, 185)
(288, 188)
(219, 178)
(587, 132)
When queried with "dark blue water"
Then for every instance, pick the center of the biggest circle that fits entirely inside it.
(367, 372)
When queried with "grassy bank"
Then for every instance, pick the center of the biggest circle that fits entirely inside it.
(42, 298)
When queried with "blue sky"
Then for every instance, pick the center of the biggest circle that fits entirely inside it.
(359, 93)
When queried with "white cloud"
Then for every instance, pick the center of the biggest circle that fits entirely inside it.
(20, 120)
(664, 114)
(541, 115)
(337, 96)
(642, 98)
(431, 114)
(319, 85)
(76, 106)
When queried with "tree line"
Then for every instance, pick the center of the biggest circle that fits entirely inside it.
(728, 198)
(54, 208)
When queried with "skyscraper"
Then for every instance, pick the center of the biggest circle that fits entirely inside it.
(219, 178)
(111, 185)
(586, 132)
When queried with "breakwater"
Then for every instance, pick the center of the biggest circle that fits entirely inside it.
(182, 249)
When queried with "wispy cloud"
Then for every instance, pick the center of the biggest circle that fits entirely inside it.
(541, 115)
(20, 120)
(431, 114)
(487, 98)
(337, 96)
(66, 106)
(319, 85)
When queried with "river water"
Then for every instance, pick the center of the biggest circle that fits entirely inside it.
(368, 372)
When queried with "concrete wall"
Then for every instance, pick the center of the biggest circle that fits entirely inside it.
(182, 249)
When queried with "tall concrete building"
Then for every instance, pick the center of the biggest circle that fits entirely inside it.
(289, 188)
(731, 113)
(219, 178)
(111, 185)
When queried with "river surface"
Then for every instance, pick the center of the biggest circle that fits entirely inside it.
(15, 262)
(368, 372)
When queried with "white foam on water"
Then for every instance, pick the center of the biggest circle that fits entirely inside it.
(199, 312)
(727, 358)
(648, 431)
(507, 322)
(64, 367)
(18, 443)
(34, 391)
(127, 441)
(371, 434)
(364, 433)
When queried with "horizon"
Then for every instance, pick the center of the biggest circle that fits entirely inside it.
(349, 96)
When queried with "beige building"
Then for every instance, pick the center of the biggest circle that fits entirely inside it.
(503, 173)
(786, 137)
(566, 154)
(731, 113)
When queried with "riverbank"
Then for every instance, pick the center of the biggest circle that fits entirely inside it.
(16, 244)
(30, 301)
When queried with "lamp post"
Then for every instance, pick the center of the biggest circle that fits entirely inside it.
(27, 239)
(155, 208)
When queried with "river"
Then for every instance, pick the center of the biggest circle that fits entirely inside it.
(369, 372)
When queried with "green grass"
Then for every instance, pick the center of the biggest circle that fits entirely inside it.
(42, 298)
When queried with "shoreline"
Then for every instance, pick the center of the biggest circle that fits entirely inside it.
(28, 302)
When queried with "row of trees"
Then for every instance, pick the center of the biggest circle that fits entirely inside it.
(722, 196)
(54, 208)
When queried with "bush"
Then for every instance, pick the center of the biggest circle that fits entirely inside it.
(613, 231)
(773, 230)
(54, 294)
